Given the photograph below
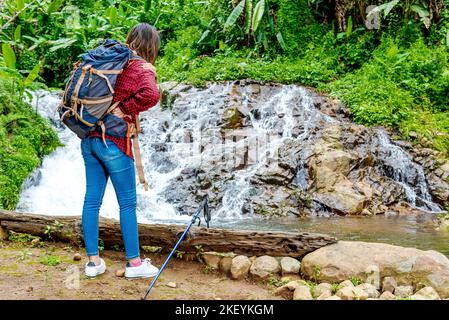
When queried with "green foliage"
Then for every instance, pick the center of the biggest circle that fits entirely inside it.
(49, 231)
(275, 282)
(356, 281)
(50, 260)
(25, 138)
(21, 238)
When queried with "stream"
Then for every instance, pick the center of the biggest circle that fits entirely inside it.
(255, 150)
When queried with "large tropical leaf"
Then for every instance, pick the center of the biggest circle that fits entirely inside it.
(386, 8)
(33, 74)
(20, 4)
(17, 33)
(61, 44)
(281, 41)
(54, 6)
(112, 15)
(349, 27)
(234, 14)
(147, 5)
(257, 15)
(248, 15)
(9, 56)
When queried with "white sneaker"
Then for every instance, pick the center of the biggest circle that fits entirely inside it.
(145, 270)
(92, 270)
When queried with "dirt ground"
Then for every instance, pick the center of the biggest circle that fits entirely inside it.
(47, 270)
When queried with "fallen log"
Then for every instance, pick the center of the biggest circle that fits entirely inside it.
(68, 229)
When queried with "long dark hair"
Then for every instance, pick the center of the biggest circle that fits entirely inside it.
(144, 39)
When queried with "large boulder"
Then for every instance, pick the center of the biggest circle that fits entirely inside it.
(371, 262)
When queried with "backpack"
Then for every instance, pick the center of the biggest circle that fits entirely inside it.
(87, 101)
(87, 98)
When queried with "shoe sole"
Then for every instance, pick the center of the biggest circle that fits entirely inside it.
(140, 277)
(94, 276)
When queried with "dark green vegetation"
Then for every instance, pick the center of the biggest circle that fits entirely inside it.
(394, 73)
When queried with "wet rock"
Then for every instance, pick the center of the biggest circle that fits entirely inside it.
(264, 266)
(370, 289)
(77, 257)
(212, 259)
(389, 284)
(387, 295)
(289, 265)
(403, 291)
(345, 259)
(302, 292)
(352, 293)
(239, 267)
(427, 293)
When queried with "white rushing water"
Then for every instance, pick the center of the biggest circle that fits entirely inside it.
(57, 187)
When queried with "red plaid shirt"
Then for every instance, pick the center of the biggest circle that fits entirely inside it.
(136, 88)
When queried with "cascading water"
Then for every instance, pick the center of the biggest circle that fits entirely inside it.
(189, 136)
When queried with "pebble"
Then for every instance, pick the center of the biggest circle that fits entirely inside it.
(172, 285)
(120, 273)
(76, 257)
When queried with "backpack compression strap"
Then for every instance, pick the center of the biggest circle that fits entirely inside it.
(136, 149)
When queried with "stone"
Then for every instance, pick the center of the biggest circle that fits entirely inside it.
(3, 233)
(352, 293)
(371, 262)
(77, 257)
(120, 273)
(171, 285)
(289, 265)
(387, 295)
(333, 298)
(287, 289)
(212, 259)
(346, 283)
(389, 284)
(370, 289)
(302, 292)
(325, 295)
(35, 241)
(239, 267)
(226, 262)
(403, 291)
(322, 288)
(427, 293)
(30, 289)
(264, 266)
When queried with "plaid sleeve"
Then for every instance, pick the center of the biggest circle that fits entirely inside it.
(143, 85)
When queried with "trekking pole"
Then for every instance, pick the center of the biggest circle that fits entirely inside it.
(196, 216)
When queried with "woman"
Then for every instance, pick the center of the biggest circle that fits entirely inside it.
(137, 91)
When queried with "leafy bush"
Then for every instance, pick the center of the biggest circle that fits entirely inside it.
(25, 138)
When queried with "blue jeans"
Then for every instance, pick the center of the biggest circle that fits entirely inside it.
(102, 162)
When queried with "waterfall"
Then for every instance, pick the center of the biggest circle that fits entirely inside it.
(189, 136)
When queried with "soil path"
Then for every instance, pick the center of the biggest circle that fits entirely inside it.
(49, 272)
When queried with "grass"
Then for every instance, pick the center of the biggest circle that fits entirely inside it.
(50, 260)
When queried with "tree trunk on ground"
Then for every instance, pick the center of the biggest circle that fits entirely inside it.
(68, 229)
